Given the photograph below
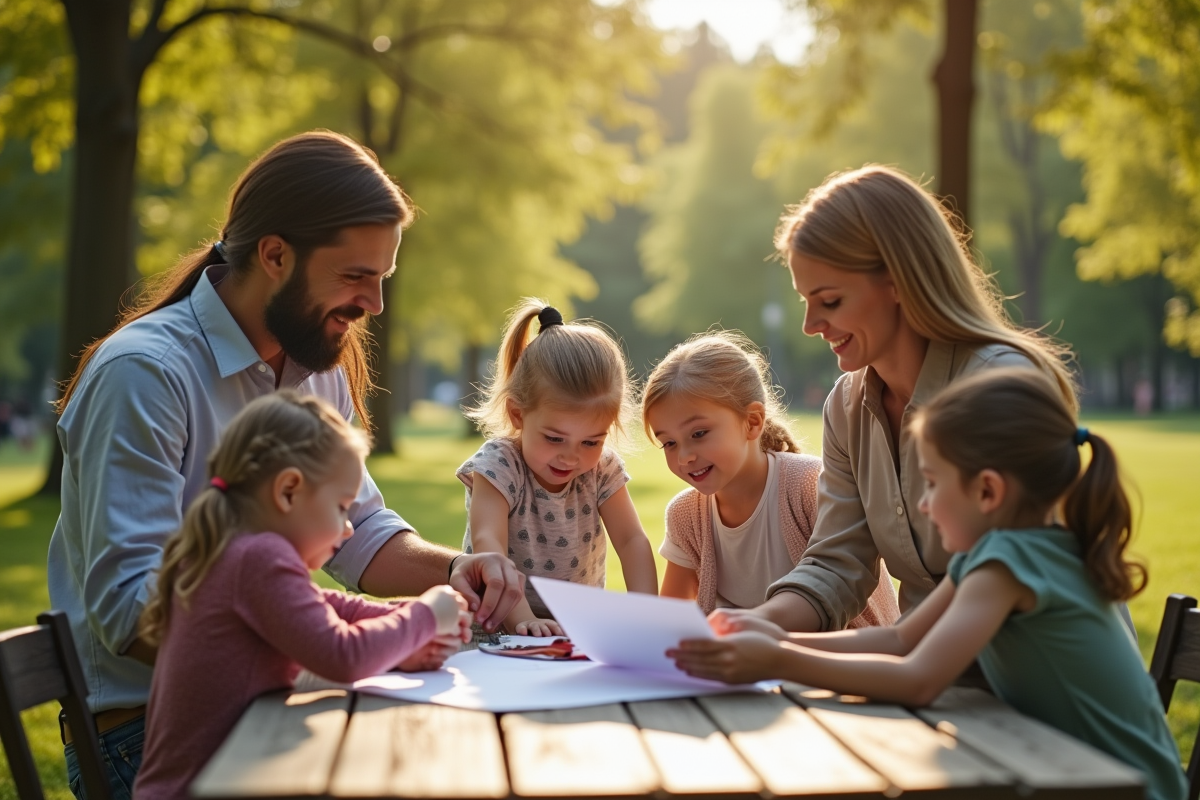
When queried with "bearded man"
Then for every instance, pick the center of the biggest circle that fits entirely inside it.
(280, 300)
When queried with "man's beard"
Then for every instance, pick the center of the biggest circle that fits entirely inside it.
(298, 324)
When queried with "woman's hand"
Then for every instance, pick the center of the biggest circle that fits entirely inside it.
(538, 627)
(738, 658)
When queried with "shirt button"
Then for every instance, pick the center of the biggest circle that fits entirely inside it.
(899, 511)
(262, 367)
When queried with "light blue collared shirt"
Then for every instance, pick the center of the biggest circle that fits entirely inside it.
(146, 413)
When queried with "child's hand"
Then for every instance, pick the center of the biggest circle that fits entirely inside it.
(432, 655)
(725, 621)
(539, 627)
(739, 658)
(448, 607)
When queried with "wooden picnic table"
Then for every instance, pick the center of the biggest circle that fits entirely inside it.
(797, 742)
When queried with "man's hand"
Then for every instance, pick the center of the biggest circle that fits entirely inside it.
(739, 658)
(493, 576)
(725, 621)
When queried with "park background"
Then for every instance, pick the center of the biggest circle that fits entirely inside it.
(627, 161)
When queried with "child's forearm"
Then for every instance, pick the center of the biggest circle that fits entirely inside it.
(884, 640)
(876, 675)
(637, 565)
(485, 541)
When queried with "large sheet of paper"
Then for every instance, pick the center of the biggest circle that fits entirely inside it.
(625, 635)
(476, 680)
(623, 630)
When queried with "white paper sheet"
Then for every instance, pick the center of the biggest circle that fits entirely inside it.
(623, 629)
(485, 682)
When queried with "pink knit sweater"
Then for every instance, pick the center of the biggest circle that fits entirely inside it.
(690, 525)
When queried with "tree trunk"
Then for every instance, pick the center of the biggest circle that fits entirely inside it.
(1195, 383)
(100, 243)
(955, 82)
(471, 381)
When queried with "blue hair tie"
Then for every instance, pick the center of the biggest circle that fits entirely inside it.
(1081, 436)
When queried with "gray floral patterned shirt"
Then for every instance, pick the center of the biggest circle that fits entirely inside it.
(550, 534)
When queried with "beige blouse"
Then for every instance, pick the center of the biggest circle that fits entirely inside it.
(866, 507)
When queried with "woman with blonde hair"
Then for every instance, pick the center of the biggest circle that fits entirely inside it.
(889, 283)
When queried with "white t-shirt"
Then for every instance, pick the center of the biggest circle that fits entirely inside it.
(751, 556)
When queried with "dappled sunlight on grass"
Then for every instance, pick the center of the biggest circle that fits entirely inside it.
(1159, 455)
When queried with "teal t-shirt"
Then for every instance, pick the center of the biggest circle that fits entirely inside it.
(1070, 661)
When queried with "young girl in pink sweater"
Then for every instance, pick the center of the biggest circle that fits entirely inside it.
(236, 613)
(746, 520)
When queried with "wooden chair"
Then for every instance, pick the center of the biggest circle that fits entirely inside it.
(1177, 657)
(39, 664)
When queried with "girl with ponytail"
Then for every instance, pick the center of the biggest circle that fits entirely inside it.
(236, 612)
(1032, 590)
(746, 520)
(544, 489)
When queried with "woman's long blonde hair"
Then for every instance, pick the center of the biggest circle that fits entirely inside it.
(574, 364)
(284, 429)
(726, 368)
(878, 218)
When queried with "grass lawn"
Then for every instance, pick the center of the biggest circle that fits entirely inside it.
(1161, 457)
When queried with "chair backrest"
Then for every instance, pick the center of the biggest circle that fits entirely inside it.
(39, 664)
(1177, 657)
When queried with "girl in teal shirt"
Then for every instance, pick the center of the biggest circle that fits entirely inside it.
(1033, 601)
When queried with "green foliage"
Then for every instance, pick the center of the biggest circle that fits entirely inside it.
(1129, 110)
(511, 155)
(36, 79)
(32, 209)
(494, 115)
(708, 243)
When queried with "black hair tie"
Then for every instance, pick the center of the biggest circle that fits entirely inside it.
(548, 318)
(219, 246)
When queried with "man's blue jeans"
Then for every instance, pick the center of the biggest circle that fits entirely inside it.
(121, 749)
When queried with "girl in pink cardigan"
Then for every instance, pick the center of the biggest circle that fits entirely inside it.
(746, 520)
(236, 613)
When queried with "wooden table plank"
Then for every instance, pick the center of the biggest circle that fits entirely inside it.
(577, 752)
(283, 746)
(1045, 760)
(912, 756)
(787, 748)
(693, 757)
(393, 748)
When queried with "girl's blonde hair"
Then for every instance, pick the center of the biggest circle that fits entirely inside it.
(569, 364)
(877, 218)
(1016, 422)
(284, 429)
(726, 368)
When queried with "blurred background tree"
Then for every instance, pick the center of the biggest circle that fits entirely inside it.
(529, 136)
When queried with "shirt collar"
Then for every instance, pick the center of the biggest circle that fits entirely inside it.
(935, 372)
(230, 347)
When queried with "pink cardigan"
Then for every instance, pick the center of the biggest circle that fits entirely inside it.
(690, 526)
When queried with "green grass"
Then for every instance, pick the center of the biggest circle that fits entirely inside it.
(1161, 457)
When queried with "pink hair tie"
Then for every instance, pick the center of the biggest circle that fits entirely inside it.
(220, 483)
